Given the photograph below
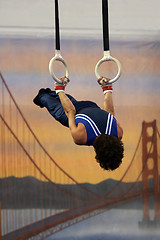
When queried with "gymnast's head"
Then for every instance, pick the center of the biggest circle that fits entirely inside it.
(109, 151)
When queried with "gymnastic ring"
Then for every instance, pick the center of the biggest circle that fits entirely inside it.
(108, 57)
(57, 57)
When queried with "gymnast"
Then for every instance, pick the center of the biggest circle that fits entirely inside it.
(88, 123)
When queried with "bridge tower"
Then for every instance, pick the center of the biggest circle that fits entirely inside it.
(150, 170)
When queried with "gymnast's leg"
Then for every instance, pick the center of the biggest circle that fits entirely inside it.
(50, 100)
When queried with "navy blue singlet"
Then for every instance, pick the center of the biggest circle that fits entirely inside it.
(96, 122)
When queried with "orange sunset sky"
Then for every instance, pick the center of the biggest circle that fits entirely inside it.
(24, 64)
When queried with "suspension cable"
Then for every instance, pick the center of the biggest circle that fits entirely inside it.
(39, 143)
(143, 167)
(36, 166)
(120, 181)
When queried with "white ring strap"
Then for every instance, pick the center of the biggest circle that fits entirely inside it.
(108, 57)
(57, 57)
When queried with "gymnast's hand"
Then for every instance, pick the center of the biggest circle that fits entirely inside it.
(103, 81)
(60, 87)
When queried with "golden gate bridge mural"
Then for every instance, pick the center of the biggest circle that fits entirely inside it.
(39, 198)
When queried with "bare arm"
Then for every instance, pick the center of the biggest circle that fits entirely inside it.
(107, 90)
(78, 132)
(67, 104)
(109, 107)
(108, 103)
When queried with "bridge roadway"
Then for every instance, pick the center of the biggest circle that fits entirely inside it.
(52, 221)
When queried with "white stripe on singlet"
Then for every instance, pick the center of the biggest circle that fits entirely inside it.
(91, 122)
(109, 124)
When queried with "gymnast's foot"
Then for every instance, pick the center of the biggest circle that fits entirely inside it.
(36, 100)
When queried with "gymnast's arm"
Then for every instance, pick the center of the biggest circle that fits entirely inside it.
(78, 132)
(108, 103)
(109, 107)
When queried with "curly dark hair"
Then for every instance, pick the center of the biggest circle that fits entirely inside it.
(109, 151)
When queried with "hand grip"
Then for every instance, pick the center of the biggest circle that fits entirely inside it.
(57, 57)
(108, 57)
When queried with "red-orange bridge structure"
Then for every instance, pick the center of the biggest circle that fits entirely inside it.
(38, 204)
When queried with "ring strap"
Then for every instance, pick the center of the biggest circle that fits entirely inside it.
(57, 26)
(105, 25)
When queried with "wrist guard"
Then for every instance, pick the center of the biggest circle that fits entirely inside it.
(60, 87)
(106, 87)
